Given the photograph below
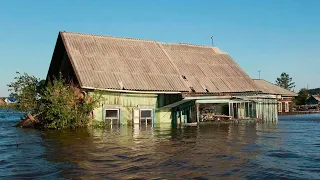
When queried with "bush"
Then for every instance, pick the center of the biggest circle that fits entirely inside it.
(57, 105)
(65, 106)
(25, 88)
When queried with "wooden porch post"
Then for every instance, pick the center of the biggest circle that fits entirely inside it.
(251, 110)
(198, 113)
(190, 114)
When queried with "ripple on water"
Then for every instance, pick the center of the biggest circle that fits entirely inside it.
(244, 151)
(283, 154)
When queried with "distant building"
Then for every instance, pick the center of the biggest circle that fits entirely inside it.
(313, 100)
(145, 82)
(284, 96)
(10, 100)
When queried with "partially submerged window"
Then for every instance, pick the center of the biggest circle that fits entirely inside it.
(146, 117)
(279, 106)
(287, 106)
(112, 116)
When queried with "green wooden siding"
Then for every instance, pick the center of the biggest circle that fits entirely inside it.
(126, 102)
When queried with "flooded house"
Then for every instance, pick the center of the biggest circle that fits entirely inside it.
(284, 96)
(146, 82)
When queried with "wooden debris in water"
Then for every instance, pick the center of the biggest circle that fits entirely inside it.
(28, 121)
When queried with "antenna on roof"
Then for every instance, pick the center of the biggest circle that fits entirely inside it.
(259, 73)
(212, 41)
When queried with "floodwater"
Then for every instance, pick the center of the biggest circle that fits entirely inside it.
(287, 150)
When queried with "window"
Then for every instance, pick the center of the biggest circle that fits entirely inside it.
(279, 106)
(146, 117)
(112, 116)
(287, 107)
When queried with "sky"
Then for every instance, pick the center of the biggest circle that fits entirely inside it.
(271, 35)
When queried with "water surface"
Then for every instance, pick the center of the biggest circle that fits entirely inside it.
(287, 150)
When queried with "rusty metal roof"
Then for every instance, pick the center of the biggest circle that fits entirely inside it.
(269, 88)
(134, 64)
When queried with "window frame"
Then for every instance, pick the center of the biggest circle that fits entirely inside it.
(112, 118)
(279, 106)
(146, 118)
(286, 107)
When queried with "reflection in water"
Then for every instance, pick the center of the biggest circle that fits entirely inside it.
(226, 151)
(205, 151)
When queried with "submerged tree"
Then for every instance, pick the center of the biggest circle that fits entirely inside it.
(64, 105)
(285, 81)
(302, 97)
(26, 89)
(57, 104)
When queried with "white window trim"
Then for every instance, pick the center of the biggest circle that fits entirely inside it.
(112, 109)
(286, 107)
(279, 106)
(146, 109)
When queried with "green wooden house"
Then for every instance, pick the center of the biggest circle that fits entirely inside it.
(152, 83)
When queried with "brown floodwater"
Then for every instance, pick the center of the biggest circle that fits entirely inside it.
(287, 150)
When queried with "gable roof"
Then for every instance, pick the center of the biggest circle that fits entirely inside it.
(316, 97)
(133, 64)
(269, 88)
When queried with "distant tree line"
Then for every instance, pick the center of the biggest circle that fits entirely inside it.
(314, 91)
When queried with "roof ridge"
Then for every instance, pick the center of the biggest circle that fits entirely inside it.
(274, 85)
(188, 44)
(115, 37)
(266, 81)
(217, 50)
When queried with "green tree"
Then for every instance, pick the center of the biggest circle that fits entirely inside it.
(302, 97)
(26, 89)
(285, 81)
(64, 105)
(56, 105)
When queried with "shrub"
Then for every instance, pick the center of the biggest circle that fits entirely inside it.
(25, 88)
(57, 105)
(65, 106)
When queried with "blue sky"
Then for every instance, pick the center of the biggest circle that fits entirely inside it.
(272, 36)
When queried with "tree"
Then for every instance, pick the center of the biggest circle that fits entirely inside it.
(57, 104)
(63, 105)
(302, 97)
(314, 91)
(26, 89)
(285, 81)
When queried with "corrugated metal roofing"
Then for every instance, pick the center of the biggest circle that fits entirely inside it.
(269, 88)
(115, 63)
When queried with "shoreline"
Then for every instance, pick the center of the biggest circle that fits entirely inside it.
(299, 113)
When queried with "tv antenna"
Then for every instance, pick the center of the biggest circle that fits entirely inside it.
(212, 41)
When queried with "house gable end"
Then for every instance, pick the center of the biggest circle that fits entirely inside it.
(60, 63)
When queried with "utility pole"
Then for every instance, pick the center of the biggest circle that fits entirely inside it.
(212, 40)
(259, 73)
